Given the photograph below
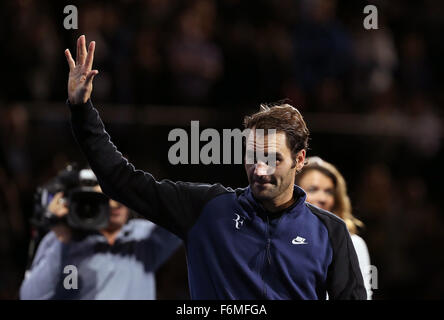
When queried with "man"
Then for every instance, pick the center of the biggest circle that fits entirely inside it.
(116, 263)
(261, 242)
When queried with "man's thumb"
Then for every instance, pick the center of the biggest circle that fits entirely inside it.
(90, 77)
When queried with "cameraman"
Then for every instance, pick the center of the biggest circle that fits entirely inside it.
(117, 262)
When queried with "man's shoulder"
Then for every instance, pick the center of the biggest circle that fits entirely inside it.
(142, 228)
(215, 188)
(49, 240)
(203, 193)
(139, 226)
(330, 220)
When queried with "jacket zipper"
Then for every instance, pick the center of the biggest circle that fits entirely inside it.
(268, 250)
(268, 241)
(267, 255)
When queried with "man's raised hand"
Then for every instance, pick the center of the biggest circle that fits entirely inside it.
(80, 74)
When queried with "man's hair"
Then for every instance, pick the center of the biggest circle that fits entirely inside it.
(284, 118)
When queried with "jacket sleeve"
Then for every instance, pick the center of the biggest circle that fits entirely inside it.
(157, 247)
(172, 205)
(42, 279)
(344, 278)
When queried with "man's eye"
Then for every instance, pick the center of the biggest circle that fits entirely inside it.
(251, 157)
(271, 162)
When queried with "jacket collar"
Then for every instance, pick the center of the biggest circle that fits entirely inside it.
(253, 207)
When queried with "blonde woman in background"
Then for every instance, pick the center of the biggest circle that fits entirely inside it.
(326, 188)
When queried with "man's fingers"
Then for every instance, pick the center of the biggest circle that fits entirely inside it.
(90, 55)
(83, 55)
(81, 50)
(58, 196)
(90, 77)
(78, 50)
(70, 60)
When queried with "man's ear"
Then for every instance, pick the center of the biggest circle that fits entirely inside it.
(300, 160)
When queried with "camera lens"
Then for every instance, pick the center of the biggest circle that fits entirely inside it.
(88, 210)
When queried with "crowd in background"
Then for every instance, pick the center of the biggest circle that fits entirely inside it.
(233, 55)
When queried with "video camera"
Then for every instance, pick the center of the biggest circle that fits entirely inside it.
(88, 210)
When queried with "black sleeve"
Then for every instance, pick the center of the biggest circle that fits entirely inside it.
(344, 277)
(157, 248)
(172, 205)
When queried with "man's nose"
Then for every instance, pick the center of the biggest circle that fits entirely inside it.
(261, 169)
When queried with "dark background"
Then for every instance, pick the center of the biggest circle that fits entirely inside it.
(371, 98)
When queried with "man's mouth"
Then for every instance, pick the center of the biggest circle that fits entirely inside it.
(115, 213)
(262, 183)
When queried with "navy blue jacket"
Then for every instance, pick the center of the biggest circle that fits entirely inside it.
(235, 249)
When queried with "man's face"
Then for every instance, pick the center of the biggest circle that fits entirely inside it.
(268, 184)
(118, 214)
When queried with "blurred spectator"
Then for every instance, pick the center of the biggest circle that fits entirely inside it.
(375, 59)
(424, 132)
(195, 60)
(414, 70)
(322, 46)
(149, 67)
(378, 203)
(15, 144)
(12, 230)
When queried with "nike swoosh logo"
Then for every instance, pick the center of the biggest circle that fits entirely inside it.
(298, 241)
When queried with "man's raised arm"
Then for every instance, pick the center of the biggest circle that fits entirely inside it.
(174, 206)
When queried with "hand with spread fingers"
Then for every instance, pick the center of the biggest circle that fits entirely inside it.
(80, 74)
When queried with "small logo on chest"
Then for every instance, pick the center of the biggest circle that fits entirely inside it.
(239, 221)
(299, 240)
